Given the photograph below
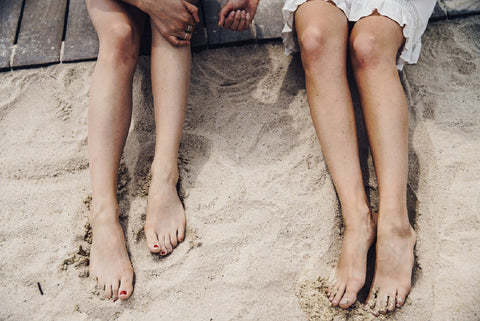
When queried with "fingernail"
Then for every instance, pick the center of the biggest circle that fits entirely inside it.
(156, 246)
(123, 293)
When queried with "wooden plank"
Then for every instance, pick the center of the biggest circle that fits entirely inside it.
(455, 8)
(81, 40)
(216, 35)
(268, 19)
(439, 12)
(10, 11)
(199, 37)
(41, 31)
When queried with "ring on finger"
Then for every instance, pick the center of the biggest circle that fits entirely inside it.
(189, 28)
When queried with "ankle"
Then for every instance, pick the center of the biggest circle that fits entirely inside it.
(393, 226)
(103, 211)
(357, 216)
(164, 174)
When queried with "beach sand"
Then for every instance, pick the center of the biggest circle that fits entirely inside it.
(263, 220)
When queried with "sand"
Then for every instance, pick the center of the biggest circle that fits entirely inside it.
(263, 220)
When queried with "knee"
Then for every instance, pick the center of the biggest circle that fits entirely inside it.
(368, 50)
(120, 45)
(315, 45)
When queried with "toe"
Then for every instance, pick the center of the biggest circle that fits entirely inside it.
(181, 234)
(173, 239)
(382, 303)
(115, 286)
(163, 249)
(152, 241)
(108, 291)
(126, 286)
(348, 298)
(168, 245)
(401, 296)
(338, 295)
(391, 303)
(333, 292)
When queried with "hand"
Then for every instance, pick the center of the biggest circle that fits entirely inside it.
(237, 15)
(174, 19)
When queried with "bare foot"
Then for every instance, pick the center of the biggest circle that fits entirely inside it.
(109, 261)
(352, 264)
(165, 222)
(393, 266)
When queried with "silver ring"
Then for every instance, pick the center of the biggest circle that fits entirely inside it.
(189, 28)
(185, 37)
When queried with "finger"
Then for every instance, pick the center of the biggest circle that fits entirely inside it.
(223, 13)
(176, 42)
(193, 10)
(236, 21)
(183, 35)
(229, 20)
(243, 19)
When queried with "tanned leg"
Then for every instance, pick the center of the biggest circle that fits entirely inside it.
(171, 67)
(375, 41)
(323, 32)
(119, 28)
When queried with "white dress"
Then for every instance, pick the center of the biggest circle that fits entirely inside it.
(412, 15)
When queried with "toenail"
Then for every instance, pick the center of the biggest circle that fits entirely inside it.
(156, 246)
(344, 301)
(334, 301)
(163, 253)
(123, 293)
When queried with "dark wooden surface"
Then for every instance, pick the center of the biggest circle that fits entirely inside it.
(81, 41)
(9, 17)
(41, 29)
(215, 34)
(40, 37)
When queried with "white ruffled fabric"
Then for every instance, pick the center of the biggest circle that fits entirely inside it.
(412, 15)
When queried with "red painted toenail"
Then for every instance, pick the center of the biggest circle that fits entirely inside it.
(156, 246)
(123, 293)
(163, 253)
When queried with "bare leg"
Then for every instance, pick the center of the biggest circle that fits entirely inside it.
(375, 41)
(118, 27)
(171, 67)
(322, 32)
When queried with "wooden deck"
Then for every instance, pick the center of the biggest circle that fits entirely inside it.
(42, 32)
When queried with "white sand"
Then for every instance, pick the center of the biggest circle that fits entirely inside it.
(263, 223)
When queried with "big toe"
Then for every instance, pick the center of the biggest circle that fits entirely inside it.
(152, 241)
(401, 296)
(126, 287)
(348, 299)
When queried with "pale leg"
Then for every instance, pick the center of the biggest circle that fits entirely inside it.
(171, 67)
(375, 41)
(323, 32)
(119, 28)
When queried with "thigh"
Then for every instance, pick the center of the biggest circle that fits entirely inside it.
(106, 15)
